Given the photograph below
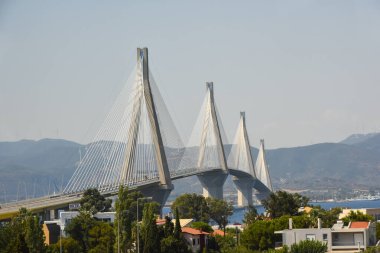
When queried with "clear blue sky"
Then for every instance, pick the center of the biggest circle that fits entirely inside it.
(304, 71)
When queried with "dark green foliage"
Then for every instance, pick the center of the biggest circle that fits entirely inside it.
(23, 234)
(357, 216)
(372, 250)
(34, 236)
(171, 244)
(377, 231)
(282, 203)
(200, 225)
(101, 238)
(79, 228)
(91, 235)
(219, 211)
(307, 246)
(126, 216)
(177, 228)
(258, 236)
(225, 243)
(149, 230)
(192, 206)
(328, 217)
(250, 215)
(69, 245)
(173, 241)
(168, 227)
(93, 202)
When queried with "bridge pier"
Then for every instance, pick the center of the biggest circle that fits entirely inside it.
(262, 192)
(159, 193)
(244, 187)
(212, 183)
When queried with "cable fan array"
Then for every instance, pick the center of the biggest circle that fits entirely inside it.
(123, 152)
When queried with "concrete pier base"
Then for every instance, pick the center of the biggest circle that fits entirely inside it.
(212, 183)
(159, 193)
(244, 187)
(262, 192)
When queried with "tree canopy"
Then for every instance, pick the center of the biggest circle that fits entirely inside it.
(93, 202)
(22, 234)
(219, 211)
(282, 203)
(192, 206)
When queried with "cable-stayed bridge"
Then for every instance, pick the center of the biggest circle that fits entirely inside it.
(138, 146)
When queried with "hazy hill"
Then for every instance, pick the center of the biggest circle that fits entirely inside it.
(33, 168)
(358, 138)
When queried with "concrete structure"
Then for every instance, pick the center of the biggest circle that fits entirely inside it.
(111, 161)
(355, 236)
(51, 231)
(339, 238)
(195, 238)
(241, 159)
(66, 217)
(160, 192)
(212, 181)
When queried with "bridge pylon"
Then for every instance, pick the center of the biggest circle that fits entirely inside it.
(211, 148)
(262, 170)
(161, 192)
(240, 159)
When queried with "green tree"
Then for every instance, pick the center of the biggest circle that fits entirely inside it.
(79, 228)
(14, 240)
(258, 236)
(34, 236)
(282, 203)
(69, 245)
(93, 202)
(225, 243)
(22, 234)
(375, 249)
(192, 206)
(357, 216)
(250, 215)
(173, 242)
(101, 238)
(149, 230)
(200, 225)
(219, 211)
(309, 246)
(126, 215)
(328, 217)
(177, 227)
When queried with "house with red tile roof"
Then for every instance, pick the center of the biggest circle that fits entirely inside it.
(197, 239)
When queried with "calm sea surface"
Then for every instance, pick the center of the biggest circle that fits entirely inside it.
(238, 214)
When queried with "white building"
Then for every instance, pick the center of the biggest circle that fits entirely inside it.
(358, 235)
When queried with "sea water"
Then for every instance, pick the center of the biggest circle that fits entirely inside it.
(238, 215)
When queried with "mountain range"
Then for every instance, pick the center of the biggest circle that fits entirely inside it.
(35, 168)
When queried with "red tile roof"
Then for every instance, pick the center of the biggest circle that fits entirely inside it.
(193, 231)
(218, 232)
(359, 224)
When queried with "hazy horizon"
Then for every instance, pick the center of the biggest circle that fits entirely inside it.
(304, 72)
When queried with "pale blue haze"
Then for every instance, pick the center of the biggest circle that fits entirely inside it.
(304, 71)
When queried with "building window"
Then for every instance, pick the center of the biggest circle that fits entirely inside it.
(310, 237)
(198, 240)
(324, 237)
(193, 241)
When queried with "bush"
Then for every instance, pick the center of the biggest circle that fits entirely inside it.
(372, 250)
(307, 246)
